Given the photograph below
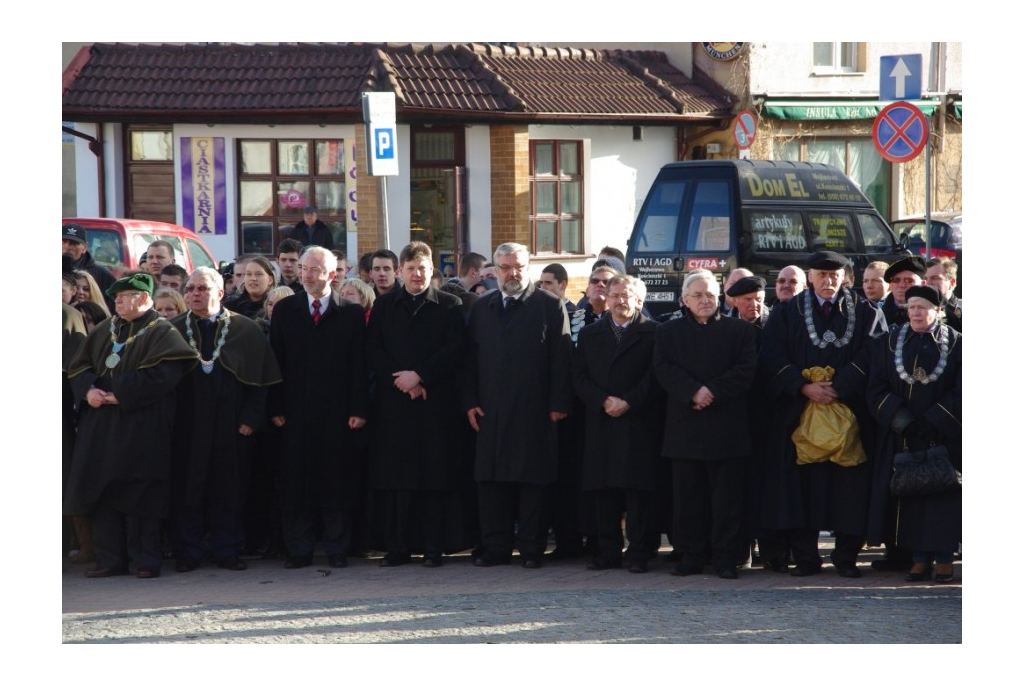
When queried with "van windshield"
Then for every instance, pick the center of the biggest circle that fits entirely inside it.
(657, 226)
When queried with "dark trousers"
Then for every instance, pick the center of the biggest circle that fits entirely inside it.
(640, 528)
(707, 498)
(803, 543)
(112, 529)
(195, 528)
(501, 506)
(299, 527)
(413, 515)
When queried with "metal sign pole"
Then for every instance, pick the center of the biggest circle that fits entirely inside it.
(384, 197)
(928, 194)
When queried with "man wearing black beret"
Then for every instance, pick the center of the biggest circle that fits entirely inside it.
(905, 273)
(824, 326)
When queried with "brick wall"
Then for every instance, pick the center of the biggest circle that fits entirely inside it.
(370, 208)
(510, 185)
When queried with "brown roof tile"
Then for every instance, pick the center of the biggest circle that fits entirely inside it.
(278, 81)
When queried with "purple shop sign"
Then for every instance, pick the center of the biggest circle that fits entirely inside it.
(204, 201)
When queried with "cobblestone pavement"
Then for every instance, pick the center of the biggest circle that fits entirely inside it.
(461, 604)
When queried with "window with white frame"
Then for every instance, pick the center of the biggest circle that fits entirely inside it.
(556, 196)
(837, 58)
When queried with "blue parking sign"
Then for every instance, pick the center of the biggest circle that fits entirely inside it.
(384, 143)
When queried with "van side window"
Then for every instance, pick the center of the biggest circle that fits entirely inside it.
(832, 231)
(777, 231)
(710, 221)
(198, 254)
(142, 244)
(106, 248)
(657, 227)
(872, 231)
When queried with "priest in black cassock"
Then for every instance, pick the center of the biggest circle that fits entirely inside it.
(124, 379)
(221, 406)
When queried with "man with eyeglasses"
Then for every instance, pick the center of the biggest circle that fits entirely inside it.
(904, 274)
(791, 281)
(124, 379)
(221, 406)
(517, 387)
(323, 402)
(826, 326)
(706, 362)
(595, 304)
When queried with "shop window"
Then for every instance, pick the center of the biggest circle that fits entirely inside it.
(556, 196)
(857, 158)
(278, 178)
(838, 58)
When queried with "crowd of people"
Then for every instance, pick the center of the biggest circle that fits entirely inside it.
(275, 406)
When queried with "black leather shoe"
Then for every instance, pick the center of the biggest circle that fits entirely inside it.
(637, 567)
(106, 572)
(804, 571)
(433, 560)
(600, 563)
(232, 564)
(686, 570)
(394, 559)
(776, 565)
(532, 562)
(728, 574)
(887, 564)
(337, 561)
(922, 573)
(848, 570)
(943, 578)
(148, 572)
(486, 561)
(565, 552)
(186, 564)
(298, 562)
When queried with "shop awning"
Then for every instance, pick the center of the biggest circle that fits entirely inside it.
(832, 110)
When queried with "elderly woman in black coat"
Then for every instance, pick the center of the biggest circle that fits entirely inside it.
(915, 394)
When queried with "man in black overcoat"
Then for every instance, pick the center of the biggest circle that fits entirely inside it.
(706, 363)
(415, 342)
(623, 410)
(517, 386)
(320, 350)
(222, 405)
(825, 326)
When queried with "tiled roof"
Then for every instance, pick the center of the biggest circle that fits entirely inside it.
(296, 81)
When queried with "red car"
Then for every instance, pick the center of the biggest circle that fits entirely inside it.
(118, 244)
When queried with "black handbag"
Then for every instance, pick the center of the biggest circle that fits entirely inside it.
(923, 472)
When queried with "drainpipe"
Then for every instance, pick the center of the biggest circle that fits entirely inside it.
(96, 147)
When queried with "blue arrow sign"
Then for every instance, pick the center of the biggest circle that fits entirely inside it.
(900, 77)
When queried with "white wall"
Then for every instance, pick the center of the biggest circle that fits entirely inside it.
(780, 68)
(618, 172)
(86, 186)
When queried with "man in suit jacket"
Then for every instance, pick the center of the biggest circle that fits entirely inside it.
(518, 385)
(624, 411)
(324, 398)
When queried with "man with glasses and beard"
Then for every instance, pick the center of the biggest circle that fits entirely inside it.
(517, 387)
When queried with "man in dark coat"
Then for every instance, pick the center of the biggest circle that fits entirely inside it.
(75, 244)
(312, 231)
(324, 398)
(706, 363)
(624, 410)
(221, 405)
(941, 275)
(415, 341)
(825, 326)
(903, 274)
(124, 379)
(517, 386)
